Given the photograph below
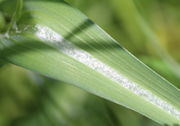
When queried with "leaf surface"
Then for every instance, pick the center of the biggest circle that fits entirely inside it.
(58, 41)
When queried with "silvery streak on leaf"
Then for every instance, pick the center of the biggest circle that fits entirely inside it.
(48, 35)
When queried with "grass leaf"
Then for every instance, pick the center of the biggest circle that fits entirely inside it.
(58, 41)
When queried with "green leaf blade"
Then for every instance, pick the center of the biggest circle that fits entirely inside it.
(78, 52)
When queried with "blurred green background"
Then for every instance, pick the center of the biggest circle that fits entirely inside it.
(149, 29)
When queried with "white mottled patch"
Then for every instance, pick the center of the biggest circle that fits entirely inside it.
(48, 35)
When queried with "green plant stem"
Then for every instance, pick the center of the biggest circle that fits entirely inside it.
(15, 17)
